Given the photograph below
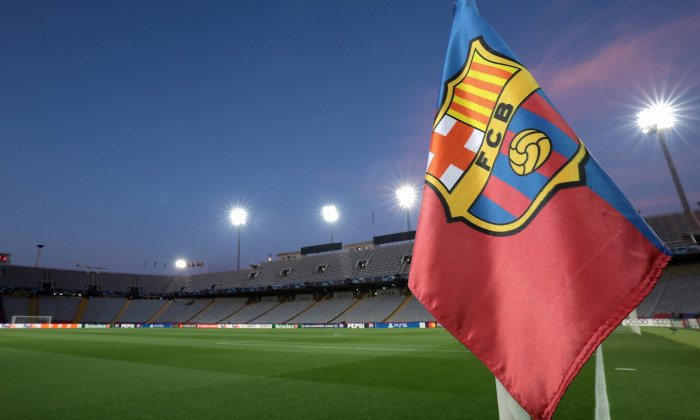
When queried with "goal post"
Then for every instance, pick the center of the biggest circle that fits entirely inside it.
(634, 322)
(630, 324)
(31, 319)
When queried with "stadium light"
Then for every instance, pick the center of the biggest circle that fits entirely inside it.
(330, 215)
(180, 264)
(657, 117)
(406, 196)
(238, 218)
(38, 254)
(656, 120)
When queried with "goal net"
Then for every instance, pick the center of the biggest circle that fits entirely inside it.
(31, 319)
(630, 324)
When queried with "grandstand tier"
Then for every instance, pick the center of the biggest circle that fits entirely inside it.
(368, 284)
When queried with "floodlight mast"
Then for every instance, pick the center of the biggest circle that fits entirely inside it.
(656, 120)
(238, 218)
(38, 254)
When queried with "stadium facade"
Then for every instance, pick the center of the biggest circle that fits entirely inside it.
(358, 283)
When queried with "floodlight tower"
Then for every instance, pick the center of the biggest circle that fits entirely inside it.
(656, 120)
(238, 217)
(38, 254)
(330, 215)
(406, 197)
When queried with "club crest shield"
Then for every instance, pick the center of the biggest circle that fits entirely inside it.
(499, 150)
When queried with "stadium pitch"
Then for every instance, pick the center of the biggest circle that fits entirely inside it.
(313, 374)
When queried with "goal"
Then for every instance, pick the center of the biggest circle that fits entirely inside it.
(31, 319)
(630, 324)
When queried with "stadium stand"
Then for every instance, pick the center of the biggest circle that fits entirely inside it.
(59, 308)
(365, 282)
(181, 310)
(114, 282)
(374, 309)
(15, 305)
(153, 284)
(326, 310)
(286, 311)
(308, 269)
(678, 291)
(672, 228)
(388, 260)
(209, 281)
(413, 311)
(380, 261)
(23, 278)
(270, 273)
(103, 309)
(141, 310)
(347, 265)
(221, 309)
(65, 279)
(252, 311)
(234, 279)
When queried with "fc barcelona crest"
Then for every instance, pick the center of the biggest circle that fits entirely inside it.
(499, 150)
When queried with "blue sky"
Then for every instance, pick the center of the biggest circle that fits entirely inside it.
(129, 129)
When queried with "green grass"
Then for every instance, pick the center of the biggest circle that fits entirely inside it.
(311, 374)
(664, 384)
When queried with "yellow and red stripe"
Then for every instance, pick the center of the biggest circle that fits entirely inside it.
(475, 96)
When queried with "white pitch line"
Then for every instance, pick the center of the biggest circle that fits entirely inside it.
(602, 406)
(627, 369)
(233, 343)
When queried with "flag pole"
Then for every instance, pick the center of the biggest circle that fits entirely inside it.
(508, 408)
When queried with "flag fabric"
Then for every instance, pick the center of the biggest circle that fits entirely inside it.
(525, 250)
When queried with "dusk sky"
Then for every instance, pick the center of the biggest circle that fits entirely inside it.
(128, 129)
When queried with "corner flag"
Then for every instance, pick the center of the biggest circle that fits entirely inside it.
(525, 250)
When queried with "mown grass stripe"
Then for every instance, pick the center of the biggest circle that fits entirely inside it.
(401, 349)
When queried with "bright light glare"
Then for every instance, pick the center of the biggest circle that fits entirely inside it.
(180, 264)
(330, 214)
(238, 216)
(657, 117)
(406, 196)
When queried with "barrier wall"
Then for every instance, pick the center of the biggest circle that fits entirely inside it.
(243, 326)
(644, 322)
